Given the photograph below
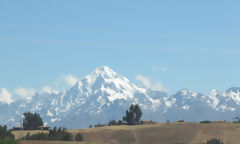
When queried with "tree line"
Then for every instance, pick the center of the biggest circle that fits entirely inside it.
(55, 134)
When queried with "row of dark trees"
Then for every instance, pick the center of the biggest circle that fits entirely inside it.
(55, 134)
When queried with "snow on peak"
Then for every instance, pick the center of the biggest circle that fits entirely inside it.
(186, 107)
(104, 82)
(213, 100)
(185, 93)
(104, 70)
(234, 94)
(233, 89)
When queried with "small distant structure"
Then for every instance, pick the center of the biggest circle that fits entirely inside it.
(220, 121)
(148, 122)
(44, 127)
(180, 121)
(17, 128)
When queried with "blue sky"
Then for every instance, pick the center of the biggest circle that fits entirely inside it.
(176, 43)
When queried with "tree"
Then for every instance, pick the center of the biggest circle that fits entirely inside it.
(32, 121)
(133, 115)
(4, 133)
(79, 137)
(60, 134)
(214, 141)
(112, 122)
(119, 122)
(6, 137)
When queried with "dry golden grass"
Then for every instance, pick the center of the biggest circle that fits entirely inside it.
(164, 133)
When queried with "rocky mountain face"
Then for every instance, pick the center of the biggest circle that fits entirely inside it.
(104, 95)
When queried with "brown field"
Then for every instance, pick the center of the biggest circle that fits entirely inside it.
(164, 133)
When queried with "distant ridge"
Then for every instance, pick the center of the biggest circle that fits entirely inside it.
(105, 95)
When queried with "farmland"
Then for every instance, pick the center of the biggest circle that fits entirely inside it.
(166, 133)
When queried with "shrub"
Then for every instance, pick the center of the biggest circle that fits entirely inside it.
(8, 141)
(236, 120)
(120, 122)
(55, 134)
(214, 141)
(60, 134)
(38, 136)
(206, 122)
(4, 133)
(99, 125)
(112, 122)
(79, 137)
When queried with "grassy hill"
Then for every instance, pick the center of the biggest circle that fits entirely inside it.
(164, 133)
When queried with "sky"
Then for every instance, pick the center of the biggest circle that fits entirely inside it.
(46, 46)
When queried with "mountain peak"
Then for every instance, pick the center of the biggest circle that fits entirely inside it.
(233, 89)
(186, 93)
(104, 70)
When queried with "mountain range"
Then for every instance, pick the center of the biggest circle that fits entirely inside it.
(105, 95)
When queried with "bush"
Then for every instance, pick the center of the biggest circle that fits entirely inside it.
(8, 141)
(214, 141)
(112, 122)
(99, 125)
(60, 134)
(4, 133)
(120, 122)
(236, 120)
(38, 136)
(78, 137)
(55, 134)
(206, 122)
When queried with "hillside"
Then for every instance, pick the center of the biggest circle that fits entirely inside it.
(164, 133)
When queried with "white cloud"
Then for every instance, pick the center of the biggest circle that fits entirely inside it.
(5, 96)
(70, 79)
(158, 86)
(24, 92)
(49, 90)
(145, 81)
(61, 84)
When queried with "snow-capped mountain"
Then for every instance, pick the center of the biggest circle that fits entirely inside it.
(104, 95)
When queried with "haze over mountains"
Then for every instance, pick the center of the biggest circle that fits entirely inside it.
(105, 95)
